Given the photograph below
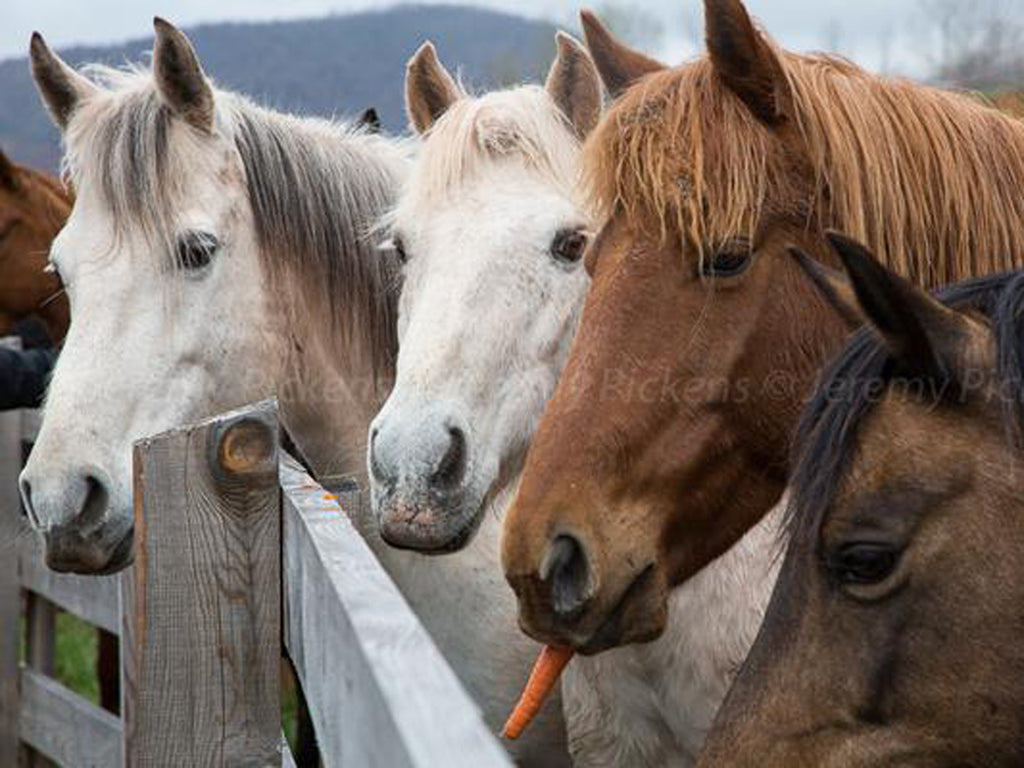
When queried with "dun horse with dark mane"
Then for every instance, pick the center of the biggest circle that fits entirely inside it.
(893, 636)
(668, 434)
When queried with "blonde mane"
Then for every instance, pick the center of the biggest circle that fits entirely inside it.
(932, 181)
(477, 135)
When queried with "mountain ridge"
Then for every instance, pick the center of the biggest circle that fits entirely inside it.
(331, 65)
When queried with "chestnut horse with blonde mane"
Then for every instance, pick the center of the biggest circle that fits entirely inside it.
(667, 437)
(33, 208)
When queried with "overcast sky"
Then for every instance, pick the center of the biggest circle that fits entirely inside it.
(879, 34)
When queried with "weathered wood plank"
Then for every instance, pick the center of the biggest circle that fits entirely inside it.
(10, 598)
(93, 599)
(201, 633)
(40, 652)
(380, 692)
(65, 727)
(40, 615)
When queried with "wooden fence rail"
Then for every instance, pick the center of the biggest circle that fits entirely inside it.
(379, 690)
(240, 556)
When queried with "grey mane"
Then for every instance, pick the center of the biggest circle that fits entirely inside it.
(314, 204)
(315, 189)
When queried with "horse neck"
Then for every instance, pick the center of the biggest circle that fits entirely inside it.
(328, 396)
(332, 375)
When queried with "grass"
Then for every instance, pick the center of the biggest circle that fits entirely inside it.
(76, 656)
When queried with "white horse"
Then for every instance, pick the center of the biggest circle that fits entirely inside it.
(492, 229)
(219, 253)
(213, 257)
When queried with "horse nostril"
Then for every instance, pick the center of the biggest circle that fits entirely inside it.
(96, 498)
(566, 570)
(452, 466)
(377, 471)
(81, 502)
(382, 468)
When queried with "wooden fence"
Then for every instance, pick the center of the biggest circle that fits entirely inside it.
(240, 557)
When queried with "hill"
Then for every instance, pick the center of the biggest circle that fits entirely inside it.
(327, 66)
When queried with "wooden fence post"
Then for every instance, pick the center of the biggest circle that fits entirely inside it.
(201, 607)
(10, 597)
(40, 651)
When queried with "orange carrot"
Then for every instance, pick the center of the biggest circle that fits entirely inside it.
(546, 669)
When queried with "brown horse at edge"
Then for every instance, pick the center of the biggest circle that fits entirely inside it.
(33, 208)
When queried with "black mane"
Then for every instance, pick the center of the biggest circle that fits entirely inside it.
(851, 384)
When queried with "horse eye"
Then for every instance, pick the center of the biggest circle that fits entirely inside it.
(399, 245)
(195, 250)
(729, 261)
(863, 563)
(568, 246)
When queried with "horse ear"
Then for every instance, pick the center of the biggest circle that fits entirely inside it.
(369, 120)
(921, 333)
(61, 87)
(180, 80)
(8, 173)
(745, 61)
(618, 65)
(833, 285)
(429, 89)
(574, 85)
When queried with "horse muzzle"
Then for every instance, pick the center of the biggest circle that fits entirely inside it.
(565, 605)
(72, 512)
